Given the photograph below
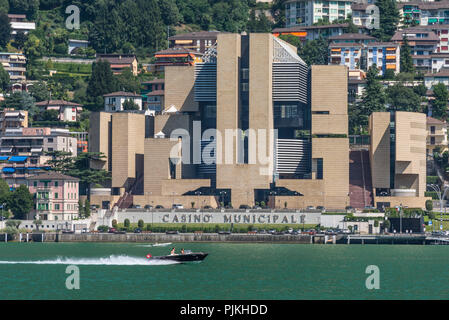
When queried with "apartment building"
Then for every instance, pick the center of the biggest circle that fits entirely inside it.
(436, 136)
(15, 65)
(34, 141)
(199, 41)
(13, 119)
(254, 83)
(431, 79)
(19, 23)
(308, 12)
(119, 62)
(114, 101)
(176, 56)
(423, 43)
(313, 32)
(425, 12)
(398, 158)
(385, 55)
(153, 94)
(67, 111)
(56, 196)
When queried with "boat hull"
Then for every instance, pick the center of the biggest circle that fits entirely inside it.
(188, 257)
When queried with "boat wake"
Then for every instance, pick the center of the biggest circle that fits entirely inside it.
(156, 245)
(112, 260)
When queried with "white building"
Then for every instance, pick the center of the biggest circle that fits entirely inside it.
(19, 23)
(73, 44)
(431, 79)
(308, 12)
(67, 111)
(114, 101)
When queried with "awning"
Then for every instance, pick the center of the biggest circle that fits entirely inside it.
(36, 149)
(9, 170)
(5, 150)
(17, 159)
(3, 158)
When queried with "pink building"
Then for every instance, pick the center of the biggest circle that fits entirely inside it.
(56, 196)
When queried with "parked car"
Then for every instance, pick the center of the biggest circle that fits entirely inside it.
(177, 206)
(112, 230)
(207, 207)
(148, 206)
(244, 206)
(159, 206)
(224, 232)
(310, 208)
(321, 208)
(137, 230)
(171, 232)
(257, 207)
(137, 206)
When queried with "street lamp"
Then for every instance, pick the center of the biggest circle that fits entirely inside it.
(441, 194)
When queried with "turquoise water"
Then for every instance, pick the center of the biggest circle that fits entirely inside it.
(231, 271)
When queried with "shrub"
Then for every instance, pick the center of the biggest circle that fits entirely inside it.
(217, 228)
(376, 223)
(140, 223)
(184, 228)
(192, 204)
(114, 224)
(386, 224)
(285, 205)
(103, 228)
(432, 179)
(149, 227)
(432, 194)
(126, 223)
(431, 215)
(429, 205)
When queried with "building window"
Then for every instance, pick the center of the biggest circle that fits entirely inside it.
(56, 183)
(56, 195)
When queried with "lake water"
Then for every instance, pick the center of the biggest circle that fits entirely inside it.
(231, 271)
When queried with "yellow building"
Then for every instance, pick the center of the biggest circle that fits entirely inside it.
(436, 135)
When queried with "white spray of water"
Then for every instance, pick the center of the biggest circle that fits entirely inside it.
(112, 260)
(155, 245)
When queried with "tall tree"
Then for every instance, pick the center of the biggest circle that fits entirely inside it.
(101, 82)
(439, 104)
(389, 19)
(403, 98)
(4, 6)
(21, 202)
(373, 98)
(278, 12)
(4, 79)
(5, 29)
(315, 51)
(126, 81)
(20, 40)
(406, 57)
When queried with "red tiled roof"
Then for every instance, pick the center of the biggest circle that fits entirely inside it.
(121, 94)
(57, 103)
(431, 120)
(52, 176)
(155, 93)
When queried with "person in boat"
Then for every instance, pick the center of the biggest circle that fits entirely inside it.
(172, 252)
(182, 251)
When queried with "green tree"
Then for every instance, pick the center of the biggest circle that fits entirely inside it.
(403, 98)
(40, 91)
(87, 208)
(79, 167)
(140, 223)
(5, 29)
(5, 193)
(101, 82)
(315, 52)
(126, 81)
(293, 40)
(48, 115)
(130, 105)
(80, 208)
(21, 202)
(4, 79)
(373, 98)
(278, 12)
(439, 104)
(406, 57)
(126, 223)
(4, 6)
(20, 40)
(389, 19)
(429, 205)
